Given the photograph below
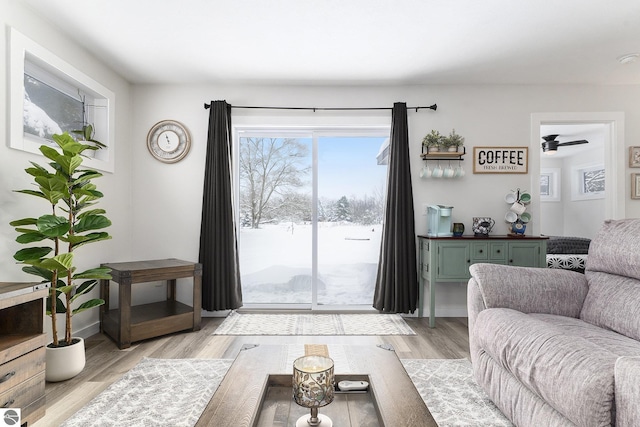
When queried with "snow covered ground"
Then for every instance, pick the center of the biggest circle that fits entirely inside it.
(276, 263)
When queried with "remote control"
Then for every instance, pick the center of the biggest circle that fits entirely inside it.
(353, 385)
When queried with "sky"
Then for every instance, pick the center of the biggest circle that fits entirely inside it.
(348, 166)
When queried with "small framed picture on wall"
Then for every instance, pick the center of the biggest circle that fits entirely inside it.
(634, 157)
(635, 185)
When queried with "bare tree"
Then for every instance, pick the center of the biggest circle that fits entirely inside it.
(269, 167)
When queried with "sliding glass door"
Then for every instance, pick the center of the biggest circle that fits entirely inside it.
(310, 210)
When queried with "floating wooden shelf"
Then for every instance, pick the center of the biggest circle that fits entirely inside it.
(443, 155)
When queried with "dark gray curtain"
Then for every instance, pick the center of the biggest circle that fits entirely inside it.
(221, 289)
(397, 282)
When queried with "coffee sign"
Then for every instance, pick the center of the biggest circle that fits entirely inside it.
(500, 159)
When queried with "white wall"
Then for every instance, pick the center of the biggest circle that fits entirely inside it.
(168, 197)
(582, 218)
(569, 217)
(116, 186)
(552, 212)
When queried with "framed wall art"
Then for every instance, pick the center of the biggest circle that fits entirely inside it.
(500, 159)
(635, 185)
(634, 157)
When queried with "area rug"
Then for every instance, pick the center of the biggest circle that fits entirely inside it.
(147, 396)
(452, 395)
(313, 324)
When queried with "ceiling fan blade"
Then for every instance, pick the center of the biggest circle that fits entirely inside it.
(578, 142)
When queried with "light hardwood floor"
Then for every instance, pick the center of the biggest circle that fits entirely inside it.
(106, 363)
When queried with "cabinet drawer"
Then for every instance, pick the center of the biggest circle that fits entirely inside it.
(479, 251)
(13, 346)
(23, 394)
(22, 368)
(33, 412)
(498, 251)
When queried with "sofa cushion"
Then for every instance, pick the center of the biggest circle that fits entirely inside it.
(616, 249)
(523, 407)
(565, 361)
(613, 302)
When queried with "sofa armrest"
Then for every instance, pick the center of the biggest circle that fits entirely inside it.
(528, 289)
(627, 391)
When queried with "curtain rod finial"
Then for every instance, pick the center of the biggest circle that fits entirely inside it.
(206, 106)
(434, 107)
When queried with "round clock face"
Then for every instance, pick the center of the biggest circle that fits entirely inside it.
(168, 141)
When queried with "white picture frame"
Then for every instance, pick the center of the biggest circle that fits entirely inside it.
(550, 184)
(24, 49)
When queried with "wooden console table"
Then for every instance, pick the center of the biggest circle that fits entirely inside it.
(447, 259)
(128, 324)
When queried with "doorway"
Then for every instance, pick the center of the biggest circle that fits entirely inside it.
(583, 184)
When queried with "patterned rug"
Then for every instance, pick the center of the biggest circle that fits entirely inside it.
(452, 395)
(313, 324)
(147, 396)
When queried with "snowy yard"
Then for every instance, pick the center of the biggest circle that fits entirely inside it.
(276, 263)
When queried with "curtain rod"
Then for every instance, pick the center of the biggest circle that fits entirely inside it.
(433, 107)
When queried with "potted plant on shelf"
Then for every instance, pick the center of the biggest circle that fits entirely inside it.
(433, 141)
(70, 222)
(453, 141)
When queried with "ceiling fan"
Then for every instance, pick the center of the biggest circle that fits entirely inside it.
(550, 145)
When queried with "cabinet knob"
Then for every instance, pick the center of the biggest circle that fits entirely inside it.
(8, 403)
(511, 261)
(480, 251)
(468, 260)
(498, 251)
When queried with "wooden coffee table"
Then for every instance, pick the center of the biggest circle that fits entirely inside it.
(237, 402)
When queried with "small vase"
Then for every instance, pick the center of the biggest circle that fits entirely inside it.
(63, 363)
(458, 229)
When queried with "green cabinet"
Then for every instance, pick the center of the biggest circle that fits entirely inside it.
(447, 259)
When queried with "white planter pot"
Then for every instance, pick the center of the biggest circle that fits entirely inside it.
(453, 149)
(64, 363)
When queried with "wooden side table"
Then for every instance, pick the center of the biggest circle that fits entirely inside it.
(128, 324)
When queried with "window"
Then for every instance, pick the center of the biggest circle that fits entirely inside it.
(588, 182)
(550, 185)
(49, 96)
(310, 216)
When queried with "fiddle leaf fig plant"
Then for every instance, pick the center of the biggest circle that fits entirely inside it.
(70, 222)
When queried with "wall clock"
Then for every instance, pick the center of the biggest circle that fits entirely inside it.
(168, 141)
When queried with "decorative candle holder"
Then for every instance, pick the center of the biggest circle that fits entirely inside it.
(313, 387)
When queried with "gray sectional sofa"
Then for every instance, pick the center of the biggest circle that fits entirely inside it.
(559, 348)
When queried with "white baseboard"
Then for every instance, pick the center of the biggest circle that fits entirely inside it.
(87, 331)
